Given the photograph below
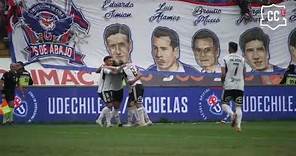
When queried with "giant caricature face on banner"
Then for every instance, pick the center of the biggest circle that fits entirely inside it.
(165, 49)
(205, 46)
(118, 41)
(254, 44)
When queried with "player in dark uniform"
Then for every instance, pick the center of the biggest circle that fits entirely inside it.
(289, 76)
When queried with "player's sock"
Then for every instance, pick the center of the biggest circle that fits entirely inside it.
(238, 111)
(136, 114)
(108, 117)
(146, 117)
(141, 116)
(103, 112)
(130, 114)
(226, 108)
(115, 114)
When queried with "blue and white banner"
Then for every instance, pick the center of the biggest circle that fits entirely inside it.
(82, 104)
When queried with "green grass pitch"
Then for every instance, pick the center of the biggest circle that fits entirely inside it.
(166, 139)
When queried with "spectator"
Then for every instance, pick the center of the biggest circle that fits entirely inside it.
(289, 76)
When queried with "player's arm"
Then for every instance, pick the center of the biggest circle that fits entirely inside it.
(139, 75)
(114, 70)
(99, 69)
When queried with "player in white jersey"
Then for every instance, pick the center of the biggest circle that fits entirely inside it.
(233, 70)
(111, 91)
(136, 92)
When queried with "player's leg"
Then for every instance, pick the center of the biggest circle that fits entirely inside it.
(101, 116)
(115, 115)
(141, 92)
(131, 112)
(133, 108)
(117, 96)
(226, 98)
(146, 117)
(238, 109)
(9, 115)
(106, 111)
(138, 92)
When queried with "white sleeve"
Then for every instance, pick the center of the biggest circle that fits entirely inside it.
(106, 71)
(100, 81)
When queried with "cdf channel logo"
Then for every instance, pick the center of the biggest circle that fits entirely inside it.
(273, 16)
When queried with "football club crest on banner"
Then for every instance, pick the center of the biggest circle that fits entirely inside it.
(25, 108)
(51, 32)
(210, 105)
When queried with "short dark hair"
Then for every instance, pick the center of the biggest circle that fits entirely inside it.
(206, 33)
(165, 31)
(232, 46)
(21, 63)
(107, 58)
(117, 28)
(292, 38)
(255, 33)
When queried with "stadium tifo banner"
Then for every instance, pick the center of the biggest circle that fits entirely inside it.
(173, 42)
(82, 104)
